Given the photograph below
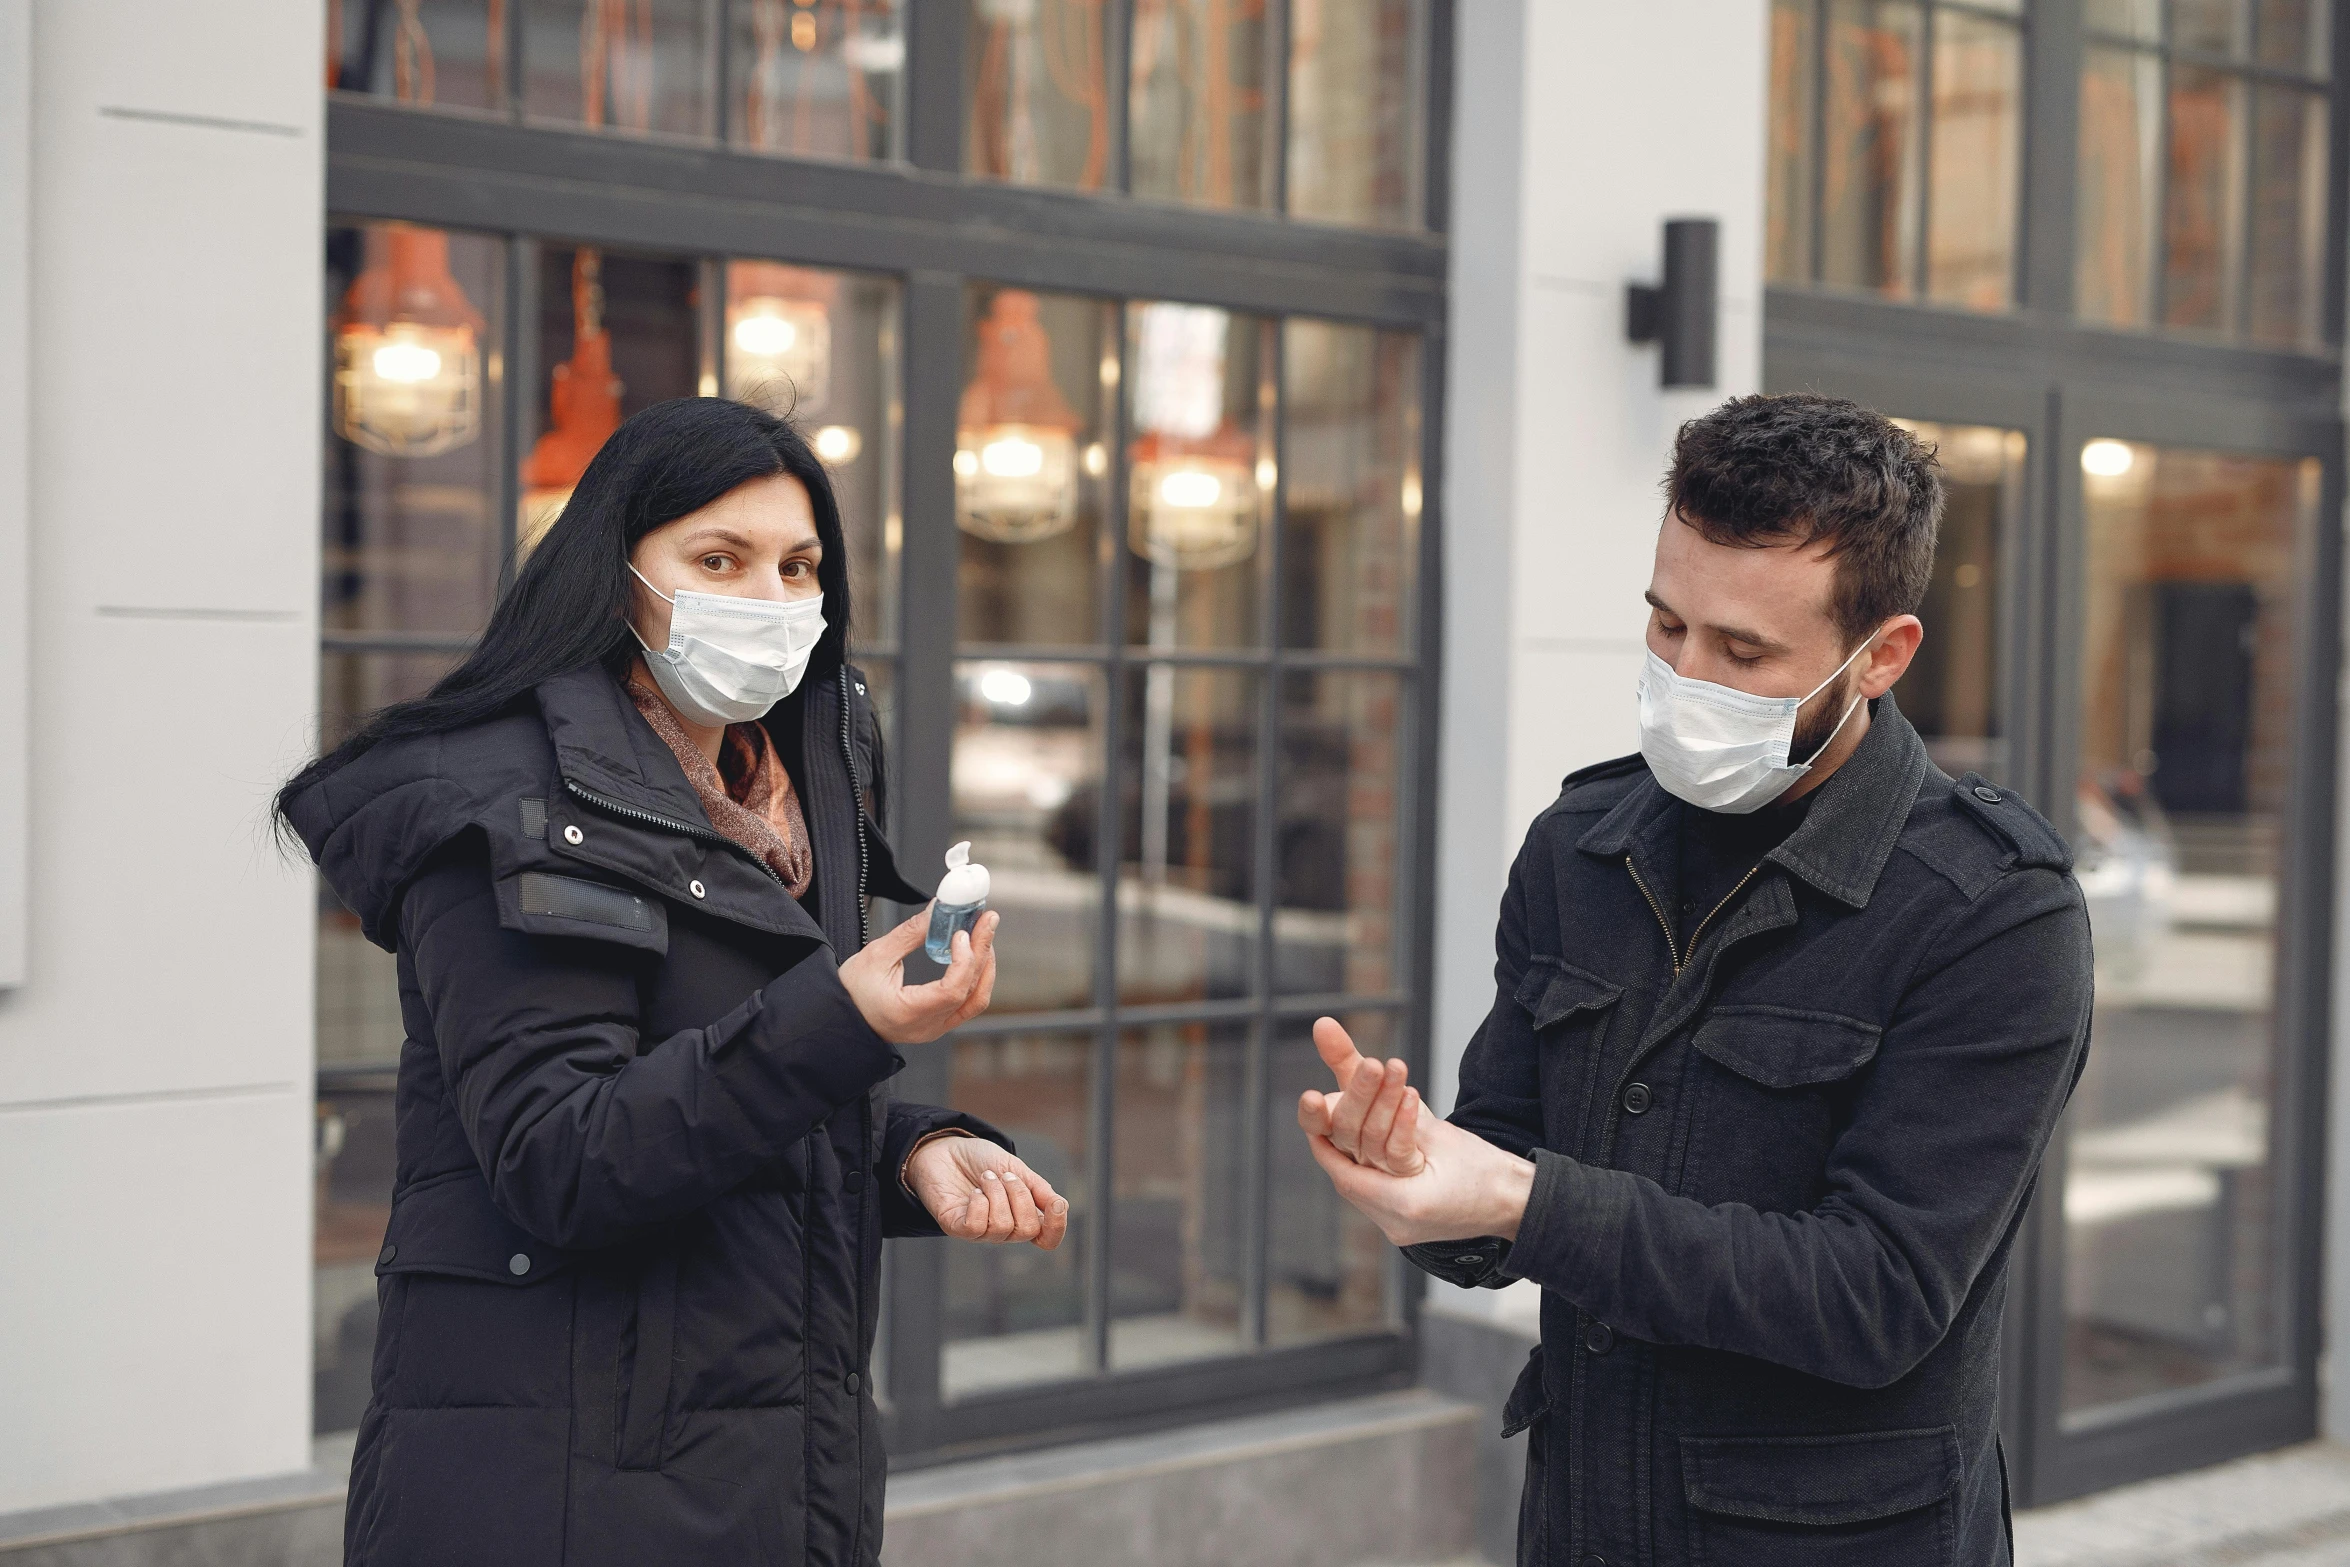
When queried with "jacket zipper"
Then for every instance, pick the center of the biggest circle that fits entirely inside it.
(1672, 948)
(687, 828)
(848, 754)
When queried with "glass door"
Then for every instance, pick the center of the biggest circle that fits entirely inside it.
(2176, 1206)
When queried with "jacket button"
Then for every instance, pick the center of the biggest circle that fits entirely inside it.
(1986, 794)
(518, 1265)
(852, 1180)
(389, 1253)
(855, 1382)
(1594, 1561)
(1599, 1338)
(572, 834)
(695, 888)
(1636, 1099)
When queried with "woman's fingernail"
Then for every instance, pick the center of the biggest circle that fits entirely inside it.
(987, 1175)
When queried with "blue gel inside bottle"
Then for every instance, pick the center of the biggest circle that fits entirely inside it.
(961, 899)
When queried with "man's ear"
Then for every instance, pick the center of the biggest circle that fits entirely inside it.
(1888, 658)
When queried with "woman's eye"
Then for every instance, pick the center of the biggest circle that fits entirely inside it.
(795, 569)
(716, 562)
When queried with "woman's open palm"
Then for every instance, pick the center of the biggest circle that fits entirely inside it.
(978, 1191)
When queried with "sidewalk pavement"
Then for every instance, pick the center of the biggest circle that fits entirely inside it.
(2289, 1508)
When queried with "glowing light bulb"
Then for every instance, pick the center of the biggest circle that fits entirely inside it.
(2107, 459)
(1012, 458)
(837, 443)
(1097, 459)
(967, 464)
(765, 335)
(406, 362)
(1190, 489)
(1006, 687)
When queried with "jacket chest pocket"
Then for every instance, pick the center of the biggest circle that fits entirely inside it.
(1571, 1011)
(1769, 1084)
(1877, 1499)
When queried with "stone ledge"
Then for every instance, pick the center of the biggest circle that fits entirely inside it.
(291, 1520)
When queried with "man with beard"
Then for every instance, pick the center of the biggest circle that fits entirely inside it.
(1785, 1017)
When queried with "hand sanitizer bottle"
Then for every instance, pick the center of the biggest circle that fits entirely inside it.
(961, 899)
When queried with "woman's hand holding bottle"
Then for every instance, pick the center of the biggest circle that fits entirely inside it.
(907, 1014)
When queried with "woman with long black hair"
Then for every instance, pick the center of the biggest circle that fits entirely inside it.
(646, 1156)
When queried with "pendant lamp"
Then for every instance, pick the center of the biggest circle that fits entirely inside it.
(1195, 485)
(1015, 437)
(407, 349)
(584, 407)
(779, 336)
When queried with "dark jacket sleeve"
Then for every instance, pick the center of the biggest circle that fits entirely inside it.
(1929, 1175)
(1500, 1094)
(907, 1125)
(585, 1130)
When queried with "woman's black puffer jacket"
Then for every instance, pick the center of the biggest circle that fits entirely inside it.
(646, 1155)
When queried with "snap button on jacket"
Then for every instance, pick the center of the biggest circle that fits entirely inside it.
(1778, 1176)
(631, 1278)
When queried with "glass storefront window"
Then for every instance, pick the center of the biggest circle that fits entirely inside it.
(815, 80)
(1015, 1315)
(1178, 1206)
(638, 66)
(1200, 475)
(1331, 1273)
(1350, 487)
(1200, 124)
(444, 54)
(1039, 90)
(2188, 663)
(1895, 148)
(1951, 692)
(1354, 121)
(2202, 185)
(1339, 837)
(1188, 922)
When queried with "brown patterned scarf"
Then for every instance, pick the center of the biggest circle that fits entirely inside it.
(748, 795)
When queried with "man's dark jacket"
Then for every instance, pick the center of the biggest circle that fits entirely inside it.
(646, 1158)
(1779, 1169)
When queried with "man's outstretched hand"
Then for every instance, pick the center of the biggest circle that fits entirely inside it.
(1418, 1178)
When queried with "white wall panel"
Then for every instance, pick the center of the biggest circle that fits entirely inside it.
(154, 1275)
(16, 205)
(154, 1065)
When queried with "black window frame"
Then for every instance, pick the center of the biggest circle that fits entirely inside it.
(921, 221)
(2062, 382)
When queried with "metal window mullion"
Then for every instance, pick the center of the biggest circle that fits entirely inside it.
(937, 34)
(518, 372)
(1921, 266)
(1102, 1111)
(1118, 89)
(2050, 178)
(1816, 175)
(717, 17)
(2158, 249)
(2239, 322)
(931, 324)
(710, 322)
(1256, 1147)
(1276, 132)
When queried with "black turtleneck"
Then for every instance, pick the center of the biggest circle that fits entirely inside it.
(1716, 851)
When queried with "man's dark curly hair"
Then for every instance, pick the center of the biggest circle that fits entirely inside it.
(1803, 469)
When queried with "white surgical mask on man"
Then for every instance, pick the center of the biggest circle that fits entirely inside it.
(731, 659)
(1722, 749)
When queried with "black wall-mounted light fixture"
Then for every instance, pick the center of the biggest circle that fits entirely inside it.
(1680, 316)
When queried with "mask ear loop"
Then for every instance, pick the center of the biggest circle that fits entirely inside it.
(672, 603)
(1821, 749)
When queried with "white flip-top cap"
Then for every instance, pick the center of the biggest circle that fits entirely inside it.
(965, 882)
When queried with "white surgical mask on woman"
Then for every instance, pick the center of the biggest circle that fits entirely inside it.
(731, 659)
(1722, 749)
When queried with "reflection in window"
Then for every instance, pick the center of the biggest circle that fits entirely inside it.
(1188, 791)
(1951, 692)
(820, 348)
(1199, 117)
(1330, 1272)
(1352, 488)
(1337, 841)
(1354, 111)
(1178, 1207)
(1895, 148)
(2186, 734)
(623, 65)
(619, 333)
(353, 1206)
(1028, 742)
(1039, 93)
(2202, 188)
(815, 80)
(1031, 465)
(448, 54)
(1200, 473)
(1013, 1314)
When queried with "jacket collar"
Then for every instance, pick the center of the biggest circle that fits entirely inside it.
(604, 746)
(1855, 818)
